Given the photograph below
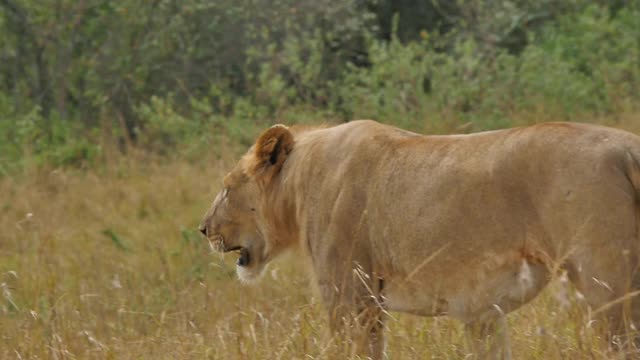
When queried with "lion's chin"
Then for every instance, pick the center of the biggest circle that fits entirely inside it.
(250, 274)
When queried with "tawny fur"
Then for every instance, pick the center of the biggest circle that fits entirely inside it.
(470, 226)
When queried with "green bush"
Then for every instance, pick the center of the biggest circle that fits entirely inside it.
(30, 139)
(168, 129)
(222, 72)
(392, 89)
(571, 68)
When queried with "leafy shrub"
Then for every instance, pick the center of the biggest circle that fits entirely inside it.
(169, 129)
(222, 71)
(571, 68)
(393, 88)
(30, 139)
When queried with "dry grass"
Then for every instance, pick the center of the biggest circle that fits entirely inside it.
(107, 264)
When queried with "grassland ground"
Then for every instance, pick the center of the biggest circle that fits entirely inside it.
(107, 264)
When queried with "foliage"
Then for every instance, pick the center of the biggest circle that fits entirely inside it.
(570, 68)
(171, 77)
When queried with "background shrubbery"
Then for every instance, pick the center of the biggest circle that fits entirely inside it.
(170, 77)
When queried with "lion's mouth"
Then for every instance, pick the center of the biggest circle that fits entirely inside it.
(217, 244)
(244, 258)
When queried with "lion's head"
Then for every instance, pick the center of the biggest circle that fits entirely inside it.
(241, 217)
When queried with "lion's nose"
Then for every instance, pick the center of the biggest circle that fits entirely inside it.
(203, 229)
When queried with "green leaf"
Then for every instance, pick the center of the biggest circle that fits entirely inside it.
(117, 241)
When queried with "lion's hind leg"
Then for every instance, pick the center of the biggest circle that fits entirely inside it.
(598, 235)
(504, 291)
(611, 287)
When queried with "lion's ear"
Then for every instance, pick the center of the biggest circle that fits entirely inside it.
(272, 149)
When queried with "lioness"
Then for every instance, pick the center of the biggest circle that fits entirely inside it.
(471, 226)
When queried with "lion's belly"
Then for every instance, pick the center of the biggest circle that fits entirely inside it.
(507, 287)
(406, 299)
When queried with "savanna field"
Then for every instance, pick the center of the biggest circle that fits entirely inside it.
(118, 121)
(107, 263)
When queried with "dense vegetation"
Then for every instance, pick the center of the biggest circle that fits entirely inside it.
(77, 76)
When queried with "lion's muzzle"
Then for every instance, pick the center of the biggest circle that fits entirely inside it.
(217, 243)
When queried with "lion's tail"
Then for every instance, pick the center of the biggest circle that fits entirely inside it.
(633, 172)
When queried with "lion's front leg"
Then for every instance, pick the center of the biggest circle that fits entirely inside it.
(489, 338)
(356, 315)
(360, 331)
